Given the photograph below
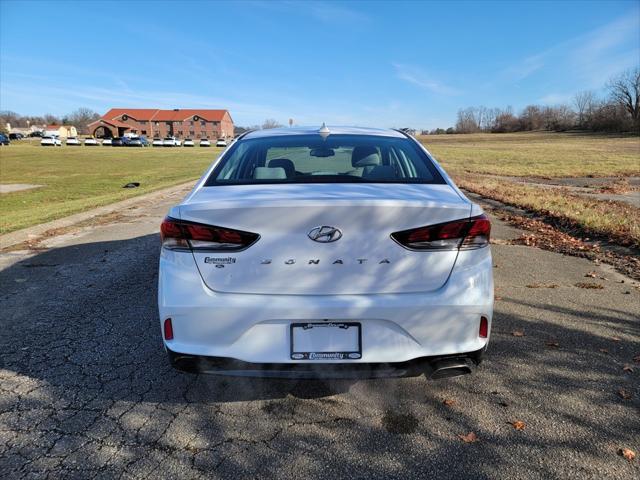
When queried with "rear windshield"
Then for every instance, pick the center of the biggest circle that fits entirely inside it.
(337, 159)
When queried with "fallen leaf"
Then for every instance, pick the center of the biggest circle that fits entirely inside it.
(627, 453)
(542, 285)
(518, 424)
(636, 359)
(589, 285)
(624, 394)
(517, 333)
(553, 344)
(449, 402)
(497, 298)
(627, 368)
(591, 274)
(616, 339)
(603, 350)
(469, 437)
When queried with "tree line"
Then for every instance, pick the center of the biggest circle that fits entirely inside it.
(618, 111)
(79, 118)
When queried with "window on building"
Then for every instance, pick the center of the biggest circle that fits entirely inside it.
(203, 123)
(216, 123)
(134, 131)
(143, 132)
(192, 133)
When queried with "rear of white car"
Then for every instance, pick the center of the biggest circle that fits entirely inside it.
(339, 252)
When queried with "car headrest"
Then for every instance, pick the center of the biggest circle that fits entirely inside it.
(286, 164)
(267, 173)
(365, 156)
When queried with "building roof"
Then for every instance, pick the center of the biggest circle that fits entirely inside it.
(154, 114)
(333, 130)
(56, 127)
(113, 123)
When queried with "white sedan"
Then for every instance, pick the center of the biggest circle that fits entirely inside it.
(326, 252)
(171, 142)
(221, 142)
(157, 142)
(50, 141)
(107, 142)
(205, 142)
(188, 143)
(73, 142)
(91, 142)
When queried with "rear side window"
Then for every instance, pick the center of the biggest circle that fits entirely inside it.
(336, 159)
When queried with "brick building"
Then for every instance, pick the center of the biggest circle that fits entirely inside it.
(180, 123)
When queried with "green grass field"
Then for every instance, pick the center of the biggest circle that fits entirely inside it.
(80, 178)
(543, 154)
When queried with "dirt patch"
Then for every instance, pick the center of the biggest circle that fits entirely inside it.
(394, 422)
(17, 187)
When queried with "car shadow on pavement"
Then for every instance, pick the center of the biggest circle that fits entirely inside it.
(85, 380)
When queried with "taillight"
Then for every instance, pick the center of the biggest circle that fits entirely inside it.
(168, 329)
(466, 234)
(183, 235)
(483, 332)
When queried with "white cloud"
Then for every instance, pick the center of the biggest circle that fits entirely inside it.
(416, 76)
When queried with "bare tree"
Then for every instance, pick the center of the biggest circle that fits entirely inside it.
(584, 103)
(81, 117)
(625, 90)
(270, 123)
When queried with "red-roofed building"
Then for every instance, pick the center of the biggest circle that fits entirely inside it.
(180, 123)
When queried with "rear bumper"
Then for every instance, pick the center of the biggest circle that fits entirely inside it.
(396, 328)
(433, 367)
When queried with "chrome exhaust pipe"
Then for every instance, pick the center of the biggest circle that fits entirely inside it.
(449, 368)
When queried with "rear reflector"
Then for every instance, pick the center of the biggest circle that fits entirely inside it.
(184, 235)
(168, 329)
(484, 327)
(465, 234)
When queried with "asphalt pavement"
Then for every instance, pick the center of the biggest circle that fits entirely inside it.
(86, 390)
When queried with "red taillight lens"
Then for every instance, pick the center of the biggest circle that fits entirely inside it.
(181, 235)
(168, 329)
(484, 327)
(466, 234)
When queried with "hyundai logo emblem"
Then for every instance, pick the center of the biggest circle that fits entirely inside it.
(325, 234)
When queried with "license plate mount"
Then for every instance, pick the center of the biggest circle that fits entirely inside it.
(325, 341)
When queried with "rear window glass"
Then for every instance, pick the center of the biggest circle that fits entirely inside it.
(337, 159)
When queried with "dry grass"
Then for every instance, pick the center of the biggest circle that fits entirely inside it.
(542, 154)
(616, 221)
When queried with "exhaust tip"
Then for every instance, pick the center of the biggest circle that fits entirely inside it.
(449, 368)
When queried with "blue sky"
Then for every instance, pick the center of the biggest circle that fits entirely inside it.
(358, 63)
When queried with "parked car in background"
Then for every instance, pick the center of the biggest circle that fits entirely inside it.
(336, 252)
(106, 142)
(221, 142)
(120, 142)
(157, 142)
(73, 142)
(37, 133)
(188, 142)
(16, 136)
(4, 140)
(91, 142)
(50, 141)
(170, 142)
(205, 142)
(138, 142)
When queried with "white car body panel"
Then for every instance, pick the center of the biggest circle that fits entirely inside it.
(91, 141)
(50, 141)
(418, 305)
(106, 141)
(73, 141)
(205, 143)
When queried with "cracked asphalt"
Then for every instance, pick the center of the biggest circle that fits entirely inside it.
(86, 391)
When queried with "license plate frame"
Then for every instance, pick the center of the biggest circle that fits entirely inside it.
(349, 354)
